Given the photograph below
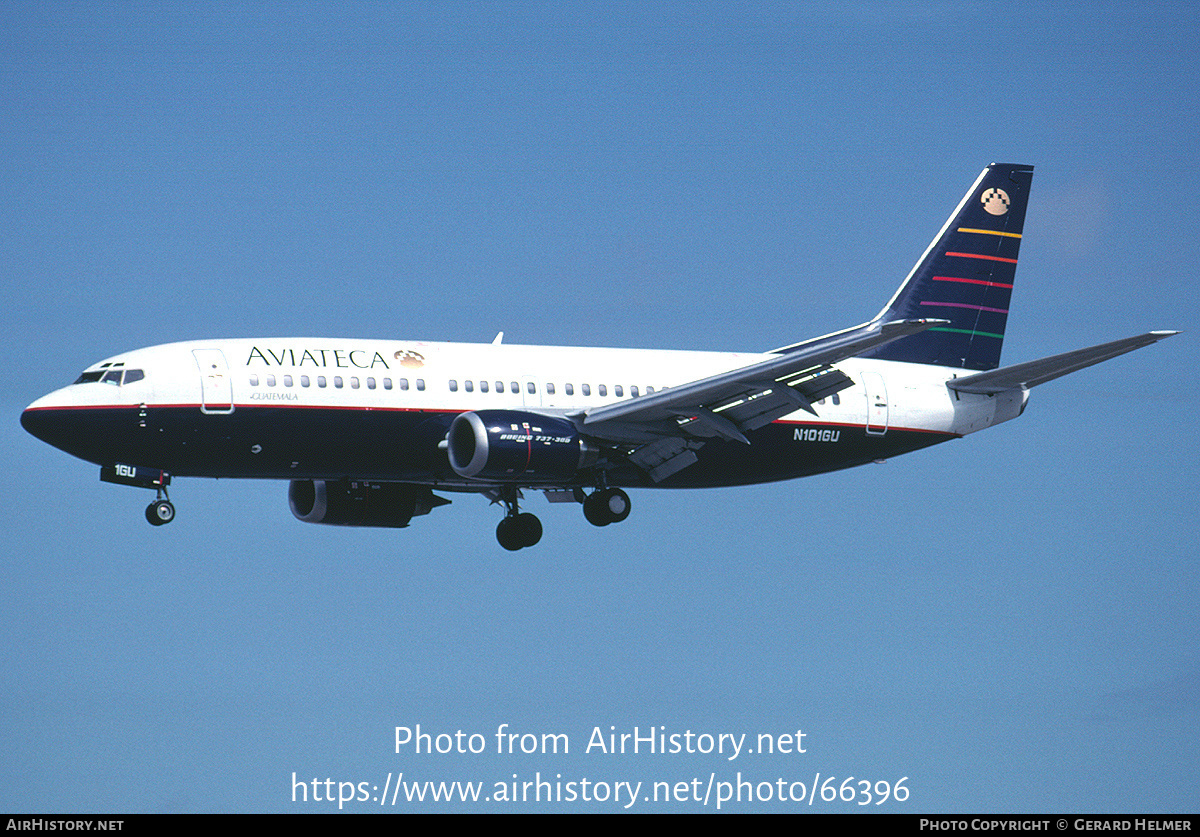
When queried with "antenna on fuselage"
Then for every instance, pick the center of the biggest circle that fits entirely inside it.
(499, 338)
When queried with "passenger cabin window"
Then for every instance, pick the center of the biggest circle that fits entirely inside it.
(321, 381)
(404, 383)
(602, 390)
(587, 389)
(303, 380)
(633, 391)
(483, 386)
(531, 387)
(570, 388)
(617, 391)
(469, 386)
(453, 385)
(420, 384)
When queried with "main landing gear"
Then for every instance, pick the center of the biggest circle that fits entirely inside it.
(521, 529)
(518, 529)
(606, 505)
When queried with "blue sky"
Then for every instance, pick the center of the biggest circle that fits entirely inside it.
(1008, 620)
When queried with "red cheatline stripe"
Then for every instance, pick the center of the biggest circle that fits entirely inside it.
(977, 256)
(455, 412)
(971, 281)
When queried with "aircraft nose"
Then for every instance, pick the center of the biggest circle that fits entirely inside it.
(95, 433)
(38, 420)
(52, 419)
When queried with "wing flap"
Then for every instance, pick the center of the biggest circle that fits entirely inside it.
(766, 401)
(664, 457)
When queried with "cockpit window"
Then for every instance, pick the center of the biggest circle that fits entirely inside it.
(114, 375)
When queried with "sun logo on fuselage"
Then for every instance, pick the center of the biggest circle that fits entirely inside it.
(410, 359)
(995, 201)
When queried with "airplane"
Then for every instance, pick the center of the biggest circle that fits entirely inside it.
(365, 430)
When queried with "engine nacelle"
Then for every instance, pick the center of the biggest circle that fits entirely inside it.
(513, 446)
(355, 503)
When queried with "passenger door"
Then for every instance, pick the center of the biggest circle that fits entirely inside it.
(877, 404)
(216, 387)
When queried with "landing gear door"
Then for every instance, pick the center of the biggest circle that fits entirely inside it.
(877, 404)
(216, 387)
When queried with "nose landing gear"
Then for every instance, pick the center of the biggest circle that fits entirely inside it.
(160, 512)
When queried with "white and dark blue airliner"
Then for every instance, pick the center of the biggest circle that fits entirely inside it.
(366, 430)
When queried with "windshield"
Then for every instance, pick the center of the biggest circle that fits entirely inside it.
(111, 373)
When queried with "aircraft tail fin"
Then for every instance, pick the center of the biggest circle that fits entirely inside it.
(965, 276)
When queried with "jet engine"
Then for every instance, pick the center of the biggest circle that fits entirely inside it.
(356, 503)
(513, 446)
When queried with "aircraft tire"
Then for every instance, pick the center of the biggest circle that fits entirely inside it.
(605, 506)
(519, 531)
(160, 512)
(596, 510)
(529, 528)
(617, 504)
(508, 534)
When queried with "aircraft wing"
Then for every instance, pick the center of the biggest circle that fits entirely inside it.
(666, 427)
(1026, 375)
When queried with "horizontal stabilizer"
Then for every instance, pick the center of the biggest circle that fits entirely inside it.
(1026, 375)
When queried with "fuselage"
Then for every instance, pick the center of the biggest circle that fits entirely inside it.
(313, 408)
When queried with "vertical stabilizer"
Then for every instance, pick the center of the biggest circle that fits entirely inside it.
(966, 277)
